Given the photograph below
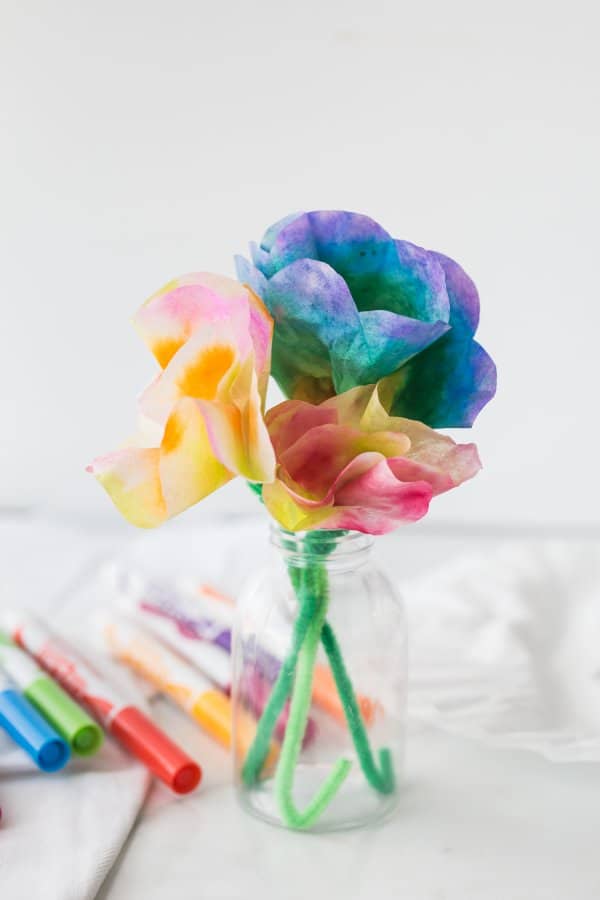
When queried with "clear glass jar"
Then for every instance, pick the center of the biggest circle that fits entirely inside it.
(319, 685)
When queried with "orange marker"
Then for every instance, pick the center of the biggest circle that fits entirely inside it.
(208, 706)
(326, 696)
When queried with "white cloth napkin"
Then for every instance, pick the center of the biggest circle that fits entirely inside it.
(61, 833)
(506, 648)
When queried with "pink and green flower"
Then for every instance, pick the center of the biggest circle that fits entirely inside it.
(347, 464)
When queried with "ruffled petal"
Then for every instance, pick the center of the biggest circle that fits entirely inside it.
(313, 310)
(169, 317)
(261, 335)
(367, 497)
(149, 485)
(384, 342)
(252, 276)
(378, 502)
(282, 506)
(203, 368)
(237, 431)
(131, 478)
(271, 233)
(421, 285)
(290, 420)
(316, 460)
(381, 273)
(189, 468)
(464, 297)
(446, 386)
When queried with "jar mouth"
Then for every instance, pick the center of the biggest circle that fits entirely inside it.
(320, 544)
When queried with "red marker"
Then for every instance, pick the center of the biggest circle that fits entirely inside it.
(124, 721)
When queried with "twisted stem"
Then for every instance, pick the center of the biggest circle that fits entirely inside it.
(381, 779)
(292, 743)
(261, 744)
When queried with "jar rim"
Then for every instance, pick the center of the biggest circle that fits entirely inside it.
(330, 544)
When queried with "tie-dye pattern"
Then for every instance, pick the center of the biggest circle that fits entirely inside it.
(352, 305)
(348, 464)
(201, 419)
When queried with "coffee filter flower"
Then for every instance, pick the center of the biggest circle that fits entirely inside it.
(201, 419)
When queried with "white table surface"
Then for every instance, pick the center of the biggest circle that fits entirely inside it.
(472, 823)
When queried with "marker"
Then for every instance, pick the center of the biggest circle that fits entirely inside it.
(23, 723)
(196, 624)
(182, 624)
(188, 625)
(190, 690)
(123, 720)
(70, 721)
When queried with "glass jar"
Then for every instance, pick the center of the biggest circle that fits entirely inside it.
(319, 685)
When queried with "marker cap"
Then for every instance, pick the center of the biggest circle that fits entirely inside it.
(152, 746)
(30, 731)
(80, 731)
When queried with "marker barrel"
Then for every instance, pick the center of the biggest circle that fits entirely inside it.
(31, 732)
(152, 746)
(82, 733)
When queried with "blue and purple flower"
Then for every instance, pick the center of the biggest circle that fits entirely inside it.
(352, 306)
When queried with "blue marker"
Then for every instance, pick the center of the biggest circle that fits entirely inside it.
(21, 720)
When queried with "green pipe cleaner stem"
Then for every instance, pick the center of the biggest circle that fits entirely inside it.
(294, 732)
(299, 658)
(381, 779)
(281, 690)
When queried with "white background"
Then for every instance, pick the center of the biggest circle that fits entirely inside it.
(142, 140)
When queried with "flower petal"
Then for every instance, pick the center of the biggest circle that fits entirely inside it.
(252, 276)
(202, 368)
(384, 342)
(131, 477)
(169, 317)
(290, 420)
(313, 309)
(282, 506)
(189, 468)
(421, 283)
(317, 459)
(237, 431)
(261, 334)
(378, 502)
(149, 485)
(445, 386)
(464, 298)
(367, 497)
(381, 273)
(271, 233)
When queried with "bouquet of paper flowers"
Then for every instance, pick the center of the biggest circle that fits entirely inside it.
(371, 340)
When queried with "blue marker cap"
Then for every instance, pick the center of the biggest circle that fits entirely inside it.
(21, 720)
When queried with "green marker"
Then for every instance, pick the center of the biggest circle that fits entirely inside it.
(67, 717)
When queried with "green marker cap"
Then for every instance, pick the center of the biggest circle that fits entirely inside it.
(68, 718)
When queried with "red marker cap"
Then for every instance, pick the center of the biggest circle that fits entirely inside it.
(152, 746)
